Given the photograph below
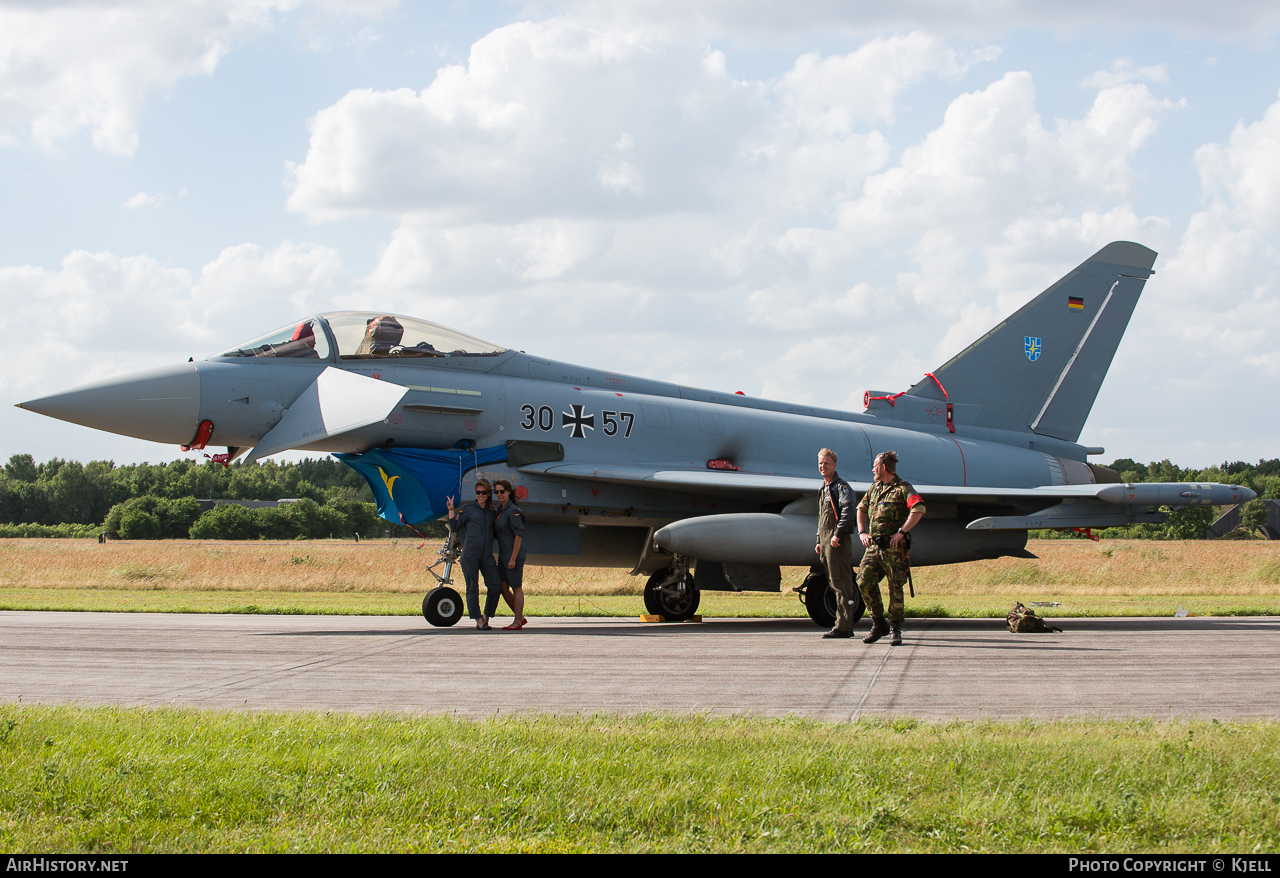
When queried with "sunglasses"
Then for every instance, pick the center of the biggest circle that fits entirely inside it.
(482, 493)
(500, 490)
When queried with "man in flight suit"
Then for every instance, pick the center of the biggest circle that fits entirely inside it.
(835, 539)
(886, 514)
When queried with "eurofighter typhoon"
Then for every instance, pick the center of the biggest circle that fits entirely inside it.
(698, 490)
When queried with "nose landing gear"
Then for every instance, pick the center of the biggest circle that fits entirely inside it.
(442, 606)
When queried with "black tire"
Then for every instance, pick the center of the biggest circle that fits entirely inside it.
(678, 607)
(650, 596)
(442, 607)
(820, 600)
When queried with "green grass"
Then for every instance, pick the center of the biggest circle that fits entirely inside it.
(132, 780)
(150, 595)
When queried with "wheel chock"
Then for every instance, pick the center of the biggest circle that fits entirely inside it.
(648, 618)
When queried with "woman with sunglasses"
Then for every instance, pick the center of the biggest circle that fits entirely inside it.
(475, 523)
(508, 527)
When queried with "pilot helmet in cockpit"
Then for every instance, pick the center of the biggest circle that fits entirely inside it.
(381, 334)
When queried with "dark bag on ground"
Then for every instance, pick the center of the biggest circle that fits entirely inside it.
(1023, 620)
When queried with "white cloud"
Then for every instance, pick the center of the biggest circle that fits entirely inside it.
(832, 93)
(992, 159)
(556, 118)
(99, 314)
(142, 199)
(1222, 280)
(986, 207)
(1243, 175)
(91, 66)
(831, 371)
(248, 284)
(1204, 339)
(532, 126)
(1122, 72)
(96, 313)
(769, 22)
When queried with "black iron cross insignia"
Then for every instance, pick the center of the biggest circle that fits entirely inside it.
(576, 422)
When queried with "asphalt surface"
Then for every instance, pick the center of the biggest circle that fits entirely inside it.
(1228, 668)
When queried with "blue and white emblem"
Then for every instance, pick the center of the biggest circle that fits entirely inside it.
(1033, 348)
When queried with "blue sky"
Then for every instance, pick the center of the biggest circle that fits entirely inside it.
(801, 204)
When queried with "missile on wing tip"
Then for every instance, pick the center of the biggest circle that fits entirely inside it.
(162, 405)
(743, 538)
(1175, 494)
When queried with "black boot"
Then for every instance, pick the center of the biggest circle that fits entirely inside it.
(878, 630)
(895, 633)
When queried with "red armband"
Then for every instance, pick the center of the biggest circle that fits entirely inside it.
(913, 500)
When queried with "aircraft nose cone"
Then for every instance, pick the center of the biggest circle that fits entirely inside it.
(162, 405)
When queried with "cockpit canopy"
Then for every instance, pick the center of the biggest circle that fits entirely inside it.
(364, 335)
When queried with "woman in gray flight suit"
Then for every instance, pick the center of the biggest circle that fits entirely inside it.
(508, 528)
(474, 522)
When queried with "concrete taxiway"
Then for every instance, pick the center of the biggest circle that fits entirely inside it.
(1228, 668)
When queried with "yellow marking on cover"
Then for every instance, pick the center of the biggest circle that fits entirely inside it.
(387, 481)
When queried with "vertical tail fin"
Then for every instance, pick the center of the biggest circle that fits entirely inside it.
(1040, 369)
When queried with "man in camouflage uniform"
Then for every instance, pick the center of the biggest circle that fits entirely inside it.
(835, 540)
(887, 512)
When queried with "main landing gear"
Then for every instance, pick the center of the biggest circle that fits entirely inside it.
(670, 592)
(819, 598)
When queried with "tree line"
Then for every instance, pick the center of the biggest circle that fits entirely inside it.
(158, 501)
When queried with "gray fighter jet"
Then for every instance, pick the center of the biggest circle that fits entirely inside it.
(700, 490)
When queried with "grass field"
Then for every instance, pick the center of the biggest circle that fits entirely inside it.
(129, 780)
(387, 577)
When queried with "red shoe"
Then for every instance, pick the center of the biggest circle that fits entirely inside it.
(515, 626)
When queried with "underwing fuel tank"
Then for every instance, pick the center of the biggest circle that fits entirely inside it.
(162, 405)
(743, 538)
(789, 540)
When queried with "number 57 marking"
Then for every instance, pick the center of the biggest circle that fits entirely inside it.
(611, 423)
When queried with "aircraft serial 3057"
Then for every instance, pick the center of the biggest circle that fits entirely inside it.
(699, 489)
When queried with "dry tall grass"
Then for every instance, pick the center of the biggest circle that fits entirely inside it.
(1118, 567)
(382, 566)
(1065, 567)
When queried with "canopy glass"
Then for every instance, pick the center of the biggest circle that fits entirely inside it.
(301, 339)
(367, 335)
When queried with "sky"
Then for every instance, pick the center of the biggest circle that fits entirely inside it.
(799, 201)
